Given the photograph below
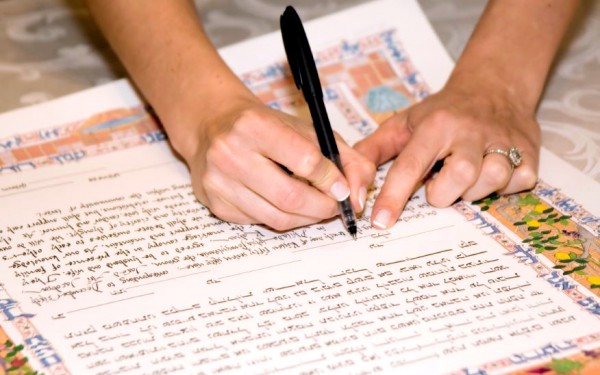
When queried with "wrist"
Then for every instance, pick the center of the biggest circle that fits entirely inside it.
(492, 83)
(195, 119)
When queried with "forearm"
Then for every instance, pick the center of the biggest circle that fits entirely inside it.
(167, 53)
(512, 47)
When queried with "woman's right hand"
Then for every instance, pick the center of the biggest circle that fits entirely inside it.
(236, 156)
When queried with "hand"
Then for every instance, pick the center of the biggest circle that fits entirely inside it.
(456, 125)
(236, 169)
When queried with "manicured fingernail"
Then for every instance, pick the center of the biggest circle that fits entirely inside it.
(362, 197)
(340, 191)
(382, 219)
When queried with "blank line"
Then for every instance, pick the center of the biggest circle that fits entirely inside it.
(418, 234)
(67, 175)
(163, 280)
(260, 269)
(325, 245)
(109, 303)
(36, 189)
(299, 364)
(147, 167)
(369, 236)
(420, 359)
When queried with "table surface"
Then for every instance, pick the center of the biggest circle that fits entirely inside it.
(50, 48)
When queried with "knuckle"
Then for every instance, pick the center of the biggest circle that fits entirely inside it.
(526, 177)
(412, 167)
(209, 182)
(280, 222)
(434, 197)
(222, 212)
(370, 169)
(440, 119)
(309, 162)
(246, 119)
(289, 198)
(464, 170)
(496, 174)
(220, 150)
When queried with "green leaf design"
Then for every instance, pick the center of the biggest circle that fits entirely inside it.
(528, 200)
(565, 366)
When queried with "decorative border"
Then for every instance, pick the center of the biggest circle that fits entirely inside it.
(33, 342)
(552, 226)
(123, 128)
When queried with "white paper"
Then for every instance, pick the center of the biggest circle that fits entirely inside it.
(109, 264)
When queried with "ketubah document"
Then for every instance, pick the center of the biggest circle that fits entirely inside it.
(109, 265)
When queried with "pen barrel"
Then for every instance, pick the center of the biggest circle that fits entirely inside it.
(348, 216)
(323, 128)
(329, 150)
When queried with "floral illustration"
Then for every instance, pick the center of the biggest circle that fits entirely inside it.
(572, 249)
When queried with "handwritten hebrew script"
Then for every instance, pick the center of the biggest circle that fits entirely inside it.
(146, 278)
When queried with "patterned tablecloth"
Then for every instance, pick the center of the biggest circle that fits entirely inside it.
(49, 48)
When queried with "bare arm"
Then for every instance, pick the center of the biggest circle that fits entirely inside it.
(167, 53)
(231, 142)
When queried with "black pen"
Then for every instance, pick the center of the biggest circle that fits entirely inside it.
(306, 76)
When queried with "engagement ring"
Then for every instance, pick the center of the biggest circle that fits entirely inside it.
(513, 155)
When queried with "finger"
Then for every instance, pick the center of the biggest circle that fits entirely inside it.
(458, 174)
(285, 192)
(524, 177)
(287, 147)
(360, 173)
(496, 172)
(387, 141)
(235, 202)
(213, 185)
(404, 175)
(269, 181)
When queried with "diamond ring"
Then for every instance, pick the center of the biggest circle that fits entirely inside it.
(513, 155)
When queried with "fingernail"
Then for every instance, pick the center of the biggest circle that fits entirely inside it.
(382, 219)
(340, 191)
(362, 197)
